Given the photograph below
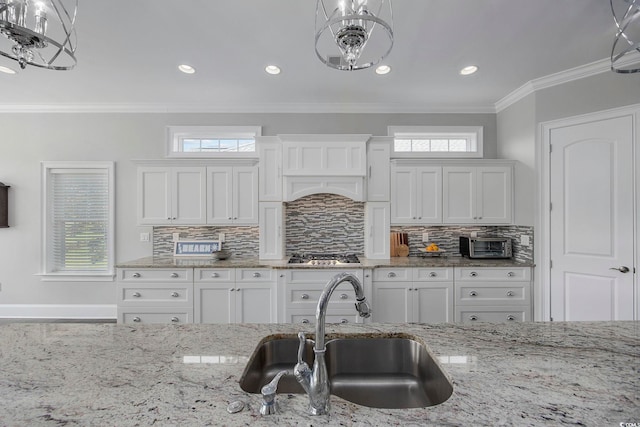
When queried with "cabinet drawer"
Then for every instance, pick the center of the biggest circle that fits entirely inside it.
(255, 274)
(319, 275)
(214, 275)
(156, 275)
(435, 274)
(332, 317)
(155, 315)
(393, 274)
(495, 274)
(492, 294)
(155, 295)
(297, 295)
(493, 314)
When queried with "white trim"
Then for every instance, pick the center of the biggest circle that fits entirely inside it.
(58, 311)
(542, 286)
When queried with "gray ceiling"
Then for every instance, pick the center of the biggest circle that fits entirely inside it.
(128, 51)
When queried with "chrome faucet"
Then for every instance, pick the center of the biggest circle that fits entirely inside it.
(316, 382)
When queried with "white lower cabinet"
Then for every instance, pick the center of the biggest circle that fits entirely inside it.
(235, 295)
(423, 295)
(493, 294)
(301, 290)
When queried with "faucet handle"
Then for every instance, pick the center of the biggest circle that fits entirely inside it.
(269, 395)
(301, 346)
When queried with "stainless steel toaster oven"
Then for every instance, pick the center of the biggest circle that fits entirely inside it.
(485, 247)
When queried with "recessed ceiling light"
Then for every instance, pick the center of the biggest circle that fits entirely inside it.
(272, 69)
(470, 69)
(187, 69)
(383, 69)
(7, 70)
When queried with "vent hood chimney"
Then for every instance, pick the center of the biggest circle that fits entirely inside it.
(314, 164)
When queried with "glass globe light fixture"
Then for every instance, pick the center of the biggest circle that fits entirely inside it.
(625, 51)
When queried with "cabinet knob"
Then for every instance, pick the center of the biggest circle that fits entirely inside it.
(174, 218)
(229, 218)
(175, 275)
(391, 274)
(433, 274)
(305, 320)
(344, 321)
(473, 274)
(511, 317)
(235, 217)
(136, 275)
(473, 318)
(344, 296)
(511, 274)
(366, 275)
(215, 275)
(238, 289)
(137, 319)
(232, 289)
(137, 294)
(169, 218)
(175, 319)
(473, 293)
(304, 296)
(256, 274)
(175, 294)
(510, 293)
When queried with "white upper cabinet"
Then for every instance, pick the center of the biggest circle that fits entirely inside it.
(232, 195)
(376, 230)
(416, 195)
(324, 155)
(378, 170)
(171, 195)
(478, 195)
(271, 230)
(270, 169)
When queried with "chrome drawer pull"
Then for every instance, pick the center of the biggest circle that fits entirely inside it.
(232, 289)
(305, 320)
(174, 275)
(473, 294)
(511, 274)
(136, 275)
(137, 294)
(510, 293)
(473, 274)
(511, 317)
(391, 274)
(256, 274)
(344, 321)
(175, 319)
(175, 294)
(215, 275)
(344, 296)
(433, 274)
(304, 296)
(136, 319)
(473, 318)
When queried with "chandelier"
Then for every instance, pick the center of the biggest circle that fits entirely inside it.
(39, 32)
(626, 14)
(353, 34)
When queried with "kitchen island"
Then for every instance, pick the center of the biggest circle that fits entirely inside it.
(523, 374)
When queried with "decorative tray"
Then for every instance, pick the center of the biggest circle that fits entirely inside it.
(431, 253)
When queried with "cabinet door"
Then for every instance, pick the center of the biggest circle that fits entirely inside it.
(403, 195)
(189, 195)
(154, 196)
(494, 195)
(245, 195)
(391, 303)
(377, 226)
(270, 171)
(215, 303)
(219, 195)
(271, 230)
(459, 194)
(433, 302)
(429, 195)
(255, 303)
(378, 172)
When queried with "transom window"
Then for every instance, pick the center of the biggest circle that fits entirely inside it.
(212, 141)
(437, 141)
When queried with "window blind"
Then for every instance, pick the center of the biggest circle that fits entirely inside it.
(79, 220)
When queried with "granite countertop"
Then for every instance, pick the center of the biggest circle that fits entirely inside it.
(449, 261)
(524, 374)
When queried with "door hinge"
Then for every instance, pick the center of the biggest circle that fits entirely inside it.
(550, 264)
(550, 207)
(550, 148)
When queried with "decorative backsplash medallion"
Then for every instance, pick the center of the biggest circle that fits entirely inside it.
(240, 241)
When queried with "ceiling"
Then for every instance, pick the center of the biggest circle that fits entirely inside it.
(128, 53)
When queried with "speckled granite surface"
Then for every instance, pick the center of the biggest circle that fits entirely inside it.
(523, 374)
(453, 261)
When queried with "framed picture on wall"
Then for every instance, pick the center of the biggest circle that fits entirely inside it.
(195, 247)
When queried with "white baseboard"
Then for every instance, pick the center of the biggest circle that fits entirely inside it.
(58, 311)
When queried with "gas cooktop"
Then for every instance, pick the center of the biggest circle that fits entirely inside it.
(323, 259)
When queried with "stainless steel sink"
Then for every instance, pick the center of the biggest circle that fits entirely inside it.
(397, 372)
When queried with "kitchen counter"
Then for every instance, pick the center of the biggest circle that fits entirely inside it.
(524, 374)
(448, 261)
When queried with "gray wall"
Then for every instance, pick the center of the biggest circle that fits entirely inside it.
(29, 138)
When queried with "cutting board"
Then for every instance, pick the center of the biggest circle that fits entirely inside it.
(399, 244)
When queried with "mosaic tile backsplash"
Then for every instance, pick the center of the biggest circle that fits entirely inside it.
(240, 241)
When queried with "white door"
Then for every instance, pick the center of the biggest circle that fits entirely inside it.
(219, 195)
(254, 303)
(391, 303)
(189, 195)
(459, 195)
(215, 303)
(245, 195)
(154, 196)
(493, 201)
(403, 195)
(433, 303)
(378, 172)
(376, 230)
(591, 221)
(429, 195)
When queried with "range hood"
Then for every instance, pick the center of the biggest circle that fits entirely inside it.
(335, 164)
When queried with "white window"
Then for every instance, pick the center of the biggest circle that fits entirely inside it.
(78, 220)
(212, 141)
(436, 141)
